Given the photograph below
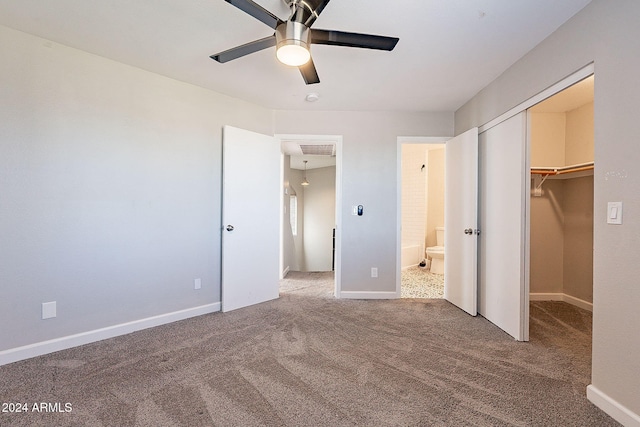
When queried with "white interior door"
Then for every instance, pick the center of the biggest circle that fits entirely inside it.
(250, 218)
(504, 198)
(460, 221)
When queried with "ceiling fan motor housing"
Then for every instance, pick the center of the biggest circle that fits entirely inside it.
(292, 33)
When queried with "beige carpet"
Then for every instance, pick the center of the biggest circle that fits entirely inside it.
(310, 360)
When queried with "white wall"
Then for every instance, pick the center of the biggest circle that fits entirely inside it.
(607, 33)
(319, 218)
(110, 200)
(368, 178)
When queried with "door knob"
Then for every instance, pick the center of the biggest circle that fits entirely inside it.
(229, 227)
(468, 231)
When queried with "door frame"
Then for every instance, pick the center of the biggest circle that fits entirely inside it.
(337, 139)
(400, 141)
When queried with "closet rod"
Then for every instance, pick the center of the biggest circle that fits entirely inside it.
(578, 169)
(562, 170)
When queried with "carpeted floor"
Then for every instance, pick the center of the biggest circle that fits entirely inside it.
(419, 282)
(307, 359)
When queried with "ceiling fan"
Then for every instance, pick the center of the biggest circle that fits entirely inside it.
(294, 37)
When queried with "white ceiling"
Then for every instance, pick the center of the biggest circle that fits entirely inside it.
(313, 162)
(448, 50)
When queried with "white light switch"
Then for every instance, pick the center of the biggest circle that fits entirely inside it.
(614, 213)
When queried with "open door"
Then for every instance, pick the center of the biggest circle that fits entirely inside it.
(504, 198)
(461, 221)
(250, 218)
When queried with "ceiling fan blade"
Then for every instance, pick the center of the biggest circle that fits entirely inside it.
(309, 73)
(341, 38)
(317, 10)
(245, 49)
(257, 11)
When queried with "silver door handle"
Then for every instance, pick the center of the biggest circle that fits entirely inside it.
(229, 227)
(468, 231)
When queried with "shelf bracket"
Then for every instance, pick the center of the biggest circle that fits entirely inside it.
(538, 180)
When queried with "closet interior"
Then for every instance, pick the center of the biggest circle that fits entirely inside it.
(562, 162)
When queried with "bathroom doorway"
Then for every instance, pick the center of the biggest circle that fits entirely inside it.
(561, 141)
(310, 207)
(422, 167)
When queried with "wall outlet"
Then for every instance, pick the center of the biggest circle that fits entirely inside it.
(197, 283)
(48, 310)
(374, 271)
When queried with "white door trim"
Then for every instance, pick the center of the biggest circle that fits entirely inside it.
(337, 139)
(406, 140)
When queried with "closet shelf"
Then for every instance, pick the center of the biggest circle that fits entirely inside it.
(540, 174)
(585, 168)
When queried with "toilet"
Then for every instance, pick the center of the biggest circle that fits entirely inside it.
(436, 253)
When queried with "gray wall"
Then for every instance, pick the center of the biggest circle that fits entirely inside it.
(289, 262)
(607, 33)
(319, 218)
(578, 238)
(369, 178)
(562, 238)
(110, 190)
(110, 201)
(546, 239)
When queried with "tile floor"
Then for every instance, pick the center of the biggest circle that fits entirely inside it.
(421, 283)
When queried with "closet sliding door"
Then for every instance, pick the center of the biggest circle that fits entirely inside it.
(503, 294)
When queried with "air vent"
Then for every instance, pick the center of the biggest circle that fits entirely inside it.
(318, 150)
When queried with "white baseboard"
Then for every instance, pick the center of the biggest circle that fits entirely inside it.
(545, 297)
(46, 347)
(585, 305)
(285, 272)
(368, 295)
(614, 409)
(578, 302)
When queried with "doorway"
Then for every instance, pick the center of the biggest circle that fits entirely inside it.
(422, 189)
(310, 241)
(561, 141)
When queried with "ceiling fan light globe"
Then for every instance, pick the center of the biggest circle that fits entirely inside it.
(293, 55)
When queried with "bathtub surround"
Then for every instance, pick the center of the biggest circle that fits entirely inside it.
(414, 202)
(309, 359)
